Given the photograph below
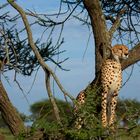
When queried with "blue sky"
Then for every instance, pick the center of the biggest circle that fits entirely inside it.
(81, 71)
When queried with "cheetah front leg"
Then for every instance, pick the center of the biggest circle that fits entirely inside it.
(113, 104)
(104, 109)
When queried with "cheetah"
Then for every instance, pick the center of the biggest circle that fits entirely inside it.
(111, 81)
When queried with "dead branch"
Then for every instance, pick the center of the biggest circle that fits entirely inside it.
(44, 21)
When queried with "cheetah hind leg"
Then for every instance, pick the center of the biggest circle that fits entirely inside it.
(113, 104)
(104, 109)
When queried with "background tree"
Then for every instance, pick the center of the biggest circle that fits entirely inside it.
(44, 109)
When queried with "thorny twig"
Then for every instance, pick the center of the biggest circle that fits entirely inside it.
(33, 81)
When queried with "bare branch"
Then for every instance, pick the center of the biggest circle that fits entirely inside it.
(130, 75)
(19, 86)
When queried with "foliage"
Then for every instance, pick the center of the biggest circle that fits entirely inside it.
(44, 121)
(20, 54)
(90, 110)
(92, 126)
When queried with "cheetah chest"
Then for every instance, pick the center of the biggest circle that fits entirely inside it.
(115, 81)
(111, 76)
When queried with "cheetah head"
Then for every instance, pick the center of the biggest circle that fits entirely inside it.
(120, 52)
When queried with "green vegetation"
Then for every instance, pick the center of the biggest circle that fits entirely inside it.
(45, 121)
(127, 126)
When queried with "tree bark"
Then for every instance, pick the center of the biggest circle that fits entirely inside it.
(9, 113)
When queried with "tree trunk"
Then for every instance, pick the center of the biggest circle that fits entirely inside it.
(9, 113)
(100, 32)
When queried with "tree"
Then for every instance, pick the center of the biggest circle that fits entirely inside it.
(44, 108)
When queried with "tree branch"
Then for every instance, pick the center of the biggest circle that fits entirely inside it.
(134, 57)
(55, 108)
(114, 27)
